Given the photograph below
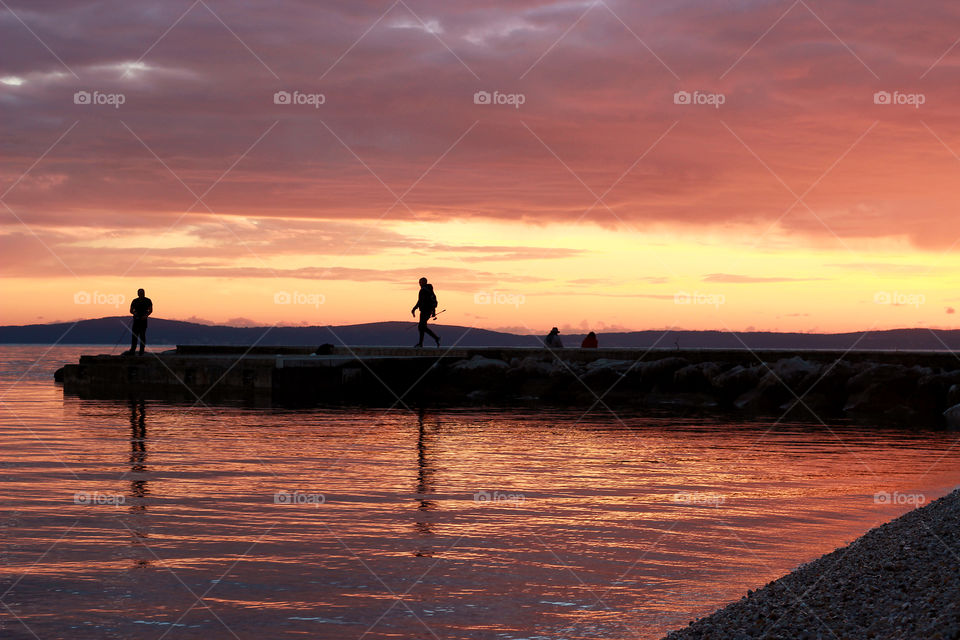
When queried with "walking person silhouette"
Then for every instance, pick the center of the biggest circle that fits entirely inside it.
(427, 303)
(141, 307)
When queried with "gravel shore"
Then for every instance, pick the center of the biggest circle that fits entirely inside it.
(900, 580)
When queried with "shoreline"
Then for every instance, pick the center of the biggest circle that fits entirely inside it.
(899, 580)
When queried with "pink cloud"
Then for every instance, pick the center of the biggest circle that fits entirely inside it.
(399, 119)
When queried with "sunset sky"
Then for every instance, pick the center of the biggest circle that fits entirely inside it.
(697, 165)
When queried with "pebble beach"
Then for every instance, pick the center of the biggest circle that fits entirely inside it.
(900, 580)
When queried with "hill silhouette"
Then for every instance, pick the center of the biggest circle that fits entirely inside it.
(109, 330)
(113, 329)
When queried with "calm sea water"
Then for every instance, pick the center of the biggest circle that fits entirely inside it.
(153, 520)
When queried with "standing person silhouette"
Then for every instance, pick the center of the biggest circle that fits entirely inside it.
(141, 307)
(427, 303)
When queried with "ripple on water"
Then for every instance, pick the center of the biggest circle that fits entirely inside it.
(272, 523)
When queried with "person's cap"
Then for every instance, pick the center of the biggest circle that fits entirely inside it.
(554, 330)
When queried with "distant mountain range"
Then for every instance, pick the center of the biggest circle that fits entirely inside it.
(167, 332)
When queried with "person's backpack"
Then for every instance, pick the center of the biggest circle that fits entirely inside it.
(433, 298)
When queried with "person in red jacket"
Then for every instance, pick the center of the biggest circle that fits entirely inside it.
(590, 342)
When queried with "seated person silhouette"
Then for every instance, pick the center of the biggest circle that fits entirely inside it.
(553, 341)
(590, 341)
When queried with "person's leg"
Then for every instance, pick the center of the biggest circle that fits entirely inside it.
(143, 338)
(427, 330)
(133, 339)
(421, 328)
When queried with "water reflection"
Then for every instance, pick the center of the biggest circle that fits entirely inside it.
(136, 501)
(664, 519)
(425, 477)
(138, 455)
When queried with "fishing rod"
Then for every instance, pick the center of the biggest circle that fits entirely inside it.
(126, 332)
(434, 317)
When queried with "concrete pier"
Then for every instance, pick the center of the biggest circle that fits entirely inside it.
(896, 386)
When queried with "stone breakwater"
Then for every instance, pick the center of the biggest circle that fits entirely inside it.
(899, 581)
(895, 393)
(907, 388)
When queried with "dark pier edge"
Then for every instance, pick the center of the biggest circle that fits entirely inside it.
(912, 388)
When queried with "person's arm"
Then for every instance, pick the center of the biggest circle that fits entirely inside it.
(149, 309)
(131, 307)
(413, 311)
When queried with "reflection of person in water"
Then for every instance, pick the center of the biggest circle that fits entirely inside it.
(138, 485)
(424, 486)
(138, 454)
